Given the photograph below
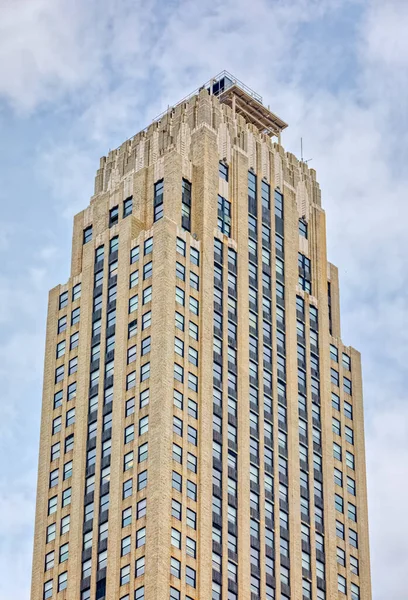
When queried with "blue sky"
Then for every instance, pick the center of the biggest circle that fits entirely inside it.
(79, 78)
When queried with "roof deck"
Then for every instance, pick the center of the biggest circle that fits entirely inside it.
(245, 102)
(242, 100)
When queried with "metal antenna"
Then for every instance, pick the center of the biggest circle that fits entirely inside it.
(301, 152)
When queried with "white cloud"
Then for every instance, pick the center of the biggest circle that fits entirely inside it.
(387, 459)
(385, 43)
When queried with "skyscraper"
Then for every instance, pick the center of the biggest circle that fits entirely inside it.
(202, 427)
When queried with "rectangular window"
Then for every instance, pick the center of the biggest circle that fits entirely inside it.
(176, 481)
(143, 425)
(73, 365)
(87, 234)
(74, 340)
(141, 480)
(278, 204)
(99, 254)
(351, 486)
(177, 453)
(145, 372)
(76, 292)
(354, 568)
(304, 272)
(334, 376)
(134, 279)
(146, 346)
(346, 361)
(180, 271)
(67, 470)
(113, 216)
(62, 324)
(338, 503)
(127, 206)
(335, 401)
(349, 434)
(113, 244)
(194, 305)
(176, 509)
(139, 593)
(75, 315)
(195, 257)
(266, 195)
(223, 170)
(337, 451)
(252, 208)
(340, 530)
(63, 300)
(124, 575)
(194, 281)
(158, 200)
(303, 228)
(352, 512)
(178, 399)
(193, 330)
(336, 426)
(134, 255)
(141, 508)
(348, 410)
(144, 398)
(130, 407)
(186, 205)
(147, 295)
(224, 215)
(59, 373)
(341, 584)
(334, 355)
(146, 320)
(140, 537)
(133, 303)
(191, 518)
(70, 417)
(190, 576)
(341, 557)
(350, 460)
(347, 385)
(181, 246)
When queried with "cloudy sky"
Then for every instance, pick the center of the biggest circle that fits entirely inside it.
(78, 78)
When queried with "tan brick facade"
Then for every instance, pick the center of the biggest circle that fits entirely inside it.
(188, 143)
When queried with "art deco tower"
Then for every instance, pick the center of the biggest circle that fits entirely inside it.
(202, 427)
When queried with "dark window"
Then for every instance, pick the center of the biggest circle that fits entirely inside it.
(303, 228)
(278, 204)
(63, 299)
(252, 192)
(75, 315)
(266, 195)
(223, 170)
(99, 253)
(87, 234)
(304, 273)
(113, 216)
(113, 244)
(347, 385)
(186, 205)
(127, 206)
(134, 255)
(148, 246)
(76, 292)
(224, 215)
(158, 200)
